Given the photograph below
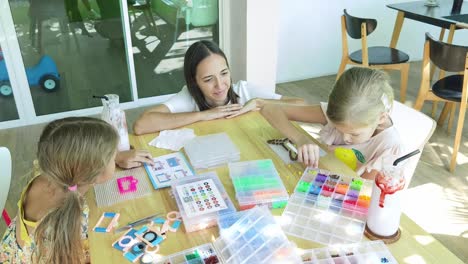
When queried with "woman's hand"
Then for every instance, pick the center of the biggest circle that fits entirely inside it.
(308, 152)
(133, 158)
(221, 111)
(252, 105)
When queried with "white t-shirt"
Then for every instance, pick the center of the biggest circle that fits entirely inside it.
(183, 102)
(369, 154)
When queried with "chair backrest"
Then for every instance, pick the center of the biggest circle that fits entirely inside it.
(415, 129)
(353, 25)
(5, 175)
(204, 13)
(447, 57)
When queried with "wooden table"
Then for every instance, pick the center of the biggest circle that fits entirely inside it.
(440, 16)
(249, 132)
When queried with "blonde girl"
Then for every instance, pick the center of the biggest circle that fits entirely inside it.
(357, 117)
(51, 226)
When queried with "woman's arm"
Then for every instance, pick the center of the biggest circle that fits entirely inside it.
(160, 118)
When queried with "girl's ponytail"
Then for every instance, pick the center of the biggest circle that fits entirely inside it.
(58, 235)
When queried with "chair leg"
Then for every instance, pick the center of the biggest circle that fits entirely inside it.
(342, 67)
(404, 82)
(453, 108)
(456, 146)
(434, 109)
(443, 115)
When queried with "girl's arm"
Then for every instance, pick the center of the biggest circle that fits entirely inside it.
(279, 115)
(160, 118)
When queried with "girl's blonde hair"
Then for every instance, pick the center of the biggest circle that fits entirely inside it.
(71, 151)
(360, 96)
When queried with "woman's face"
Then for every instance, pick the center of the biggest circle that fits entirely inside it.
(214, 79)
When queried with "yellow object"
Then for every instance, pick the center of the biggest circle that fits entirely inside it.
(347, 156)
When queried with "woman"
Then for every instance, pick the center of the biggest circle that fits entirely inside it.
(209, 93)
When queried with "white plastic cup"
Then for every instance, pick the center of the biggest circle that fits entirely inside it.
(112, 114)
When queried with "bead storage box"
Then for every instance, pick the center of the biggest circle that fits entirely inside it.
(372, 252)
(257, 183)
(211, 151)
(203, 254)
(254, 237)
(201, 200)
(328, 208)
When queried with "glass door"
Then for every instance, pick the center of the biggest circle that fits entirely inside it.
(8, 110)
(71, 49)
(161, 32)
(66, 51)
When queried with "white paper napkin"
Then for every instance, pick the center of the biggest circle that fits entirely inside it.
(173, 139)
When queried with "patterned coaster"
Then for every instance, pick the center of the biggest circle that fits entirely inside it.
(108, 193)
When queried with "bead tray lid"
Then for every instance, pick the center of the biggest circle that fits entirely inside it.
(258, 182)
(254, 237)
(328, 208)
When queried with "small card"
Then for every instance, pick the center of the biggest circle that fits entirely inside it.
(200, 197)
(167, 168)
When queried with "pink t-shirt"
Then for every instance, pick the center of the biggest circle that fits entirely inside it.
(370, 153)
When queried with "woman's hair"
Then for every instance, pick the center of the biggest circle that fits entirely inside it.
(71, 151)
(360, 96)
(197, 52)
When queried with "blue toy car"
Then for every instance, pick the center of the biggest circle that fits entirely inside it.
(44, 74)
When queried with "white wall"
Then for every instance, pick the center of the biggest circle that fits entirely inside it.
(310, 35)
(251, 43)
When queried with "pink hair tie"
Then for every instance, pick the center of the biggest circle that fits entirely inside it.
(73, 188)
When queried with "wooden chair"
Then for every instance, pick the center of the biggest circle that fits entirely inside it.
(373, 57)
(5, 179)
(451, 89)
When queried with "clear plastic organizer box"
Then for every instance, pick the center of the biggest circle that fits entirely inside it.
(373, 252)
(258, 183)
(328, 208)
(211, 151)
(253, 237)
(203, 254)
(201, 200)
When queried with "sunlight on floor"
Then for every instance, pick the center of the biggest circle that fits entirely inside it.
(169, 65)
(414, 259)
(424, 240)
(437, 210)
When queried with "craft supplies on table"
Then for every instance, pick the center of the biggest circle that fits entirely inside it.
(167, 168)
(286, 150)
(211, 151)
(257, 183)
(201, 200)
(133, 184)
(254, 238)
(144, 243)
(113, 218)
(327, 208)
(203, 254)
(373, 252)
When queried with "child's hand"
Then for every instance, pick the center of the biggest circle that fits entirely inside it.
(133, 158)
(221, 111)
(308, 152)
(251, 105)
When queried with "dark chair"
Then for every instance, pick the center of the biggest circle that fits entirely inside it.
(451, 89)
(372, 57)
(143, 6)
